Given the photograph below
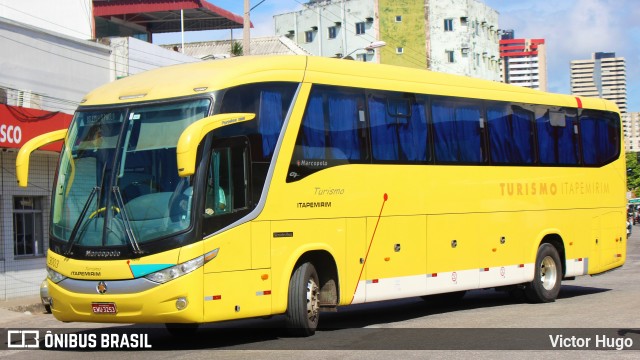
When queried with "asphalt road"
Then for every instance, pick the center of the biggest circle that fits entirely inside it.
(592, 317)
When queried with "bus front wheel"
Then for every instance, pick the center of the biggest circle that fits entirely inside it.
(303, 308)
(548, 276)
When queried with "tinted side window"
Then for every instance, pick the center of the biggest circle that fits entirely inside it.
(557, 140)
(333, 131)
(270, 102)
(457, 131)
(511, 133)
(226, 196)
(600, 137)
(333, 125)
(398, 128)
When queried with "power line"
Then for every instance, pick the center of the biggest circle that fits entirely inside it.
(93, 56)
(45, 20)
(52, 102)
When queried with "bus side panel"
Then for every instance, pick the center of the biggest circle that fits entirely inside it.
(260, 243)
(608, 242)
(237, 294)
(452, 252)
(352, 272)
(292, 239)
(502, 241)
(396, 263)
(234, 250)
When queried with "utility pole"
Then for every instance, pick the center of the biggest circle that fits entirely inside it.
(246, 34)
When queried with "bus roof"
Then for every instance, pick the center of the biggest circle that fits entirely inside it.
(193, 78)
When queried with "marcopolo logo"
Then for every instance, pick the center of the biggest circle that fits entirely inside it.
(10, 134)
(23, 339)
(76, 339)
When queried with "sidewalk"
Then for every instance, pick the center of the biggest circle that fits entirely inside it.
(30, 305)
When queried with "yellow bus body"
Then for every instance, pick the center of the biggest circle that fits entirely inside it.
(392, 231)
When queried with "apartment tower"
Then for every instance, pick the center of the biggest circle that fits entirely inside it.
(603, 76)
(524, 61)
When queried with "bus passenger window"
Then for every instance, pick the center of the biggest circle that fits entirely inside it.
(557, 140)
(457, 128)
(332, 124)
(398, 129)
(600, 137)
(510, 134)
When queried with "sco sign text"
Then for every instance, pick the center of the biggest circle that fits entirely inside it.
(10, 134)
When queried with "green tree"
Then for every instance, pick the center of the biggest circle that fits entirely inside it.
(236, 49)
(633, 172)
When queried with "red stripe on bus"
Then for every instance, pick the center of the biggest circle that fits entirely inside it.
(385, 197)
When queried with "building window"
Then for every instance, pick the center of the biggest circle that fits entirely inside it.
(450, 57)
(399, 50)
(27, 226)
(398, 18)
(333, 32)
(308, 36)
(360, 28)
(448, 24)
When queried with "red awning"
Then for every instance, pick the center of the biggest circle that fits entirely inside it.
(19, 125)
(162, 16)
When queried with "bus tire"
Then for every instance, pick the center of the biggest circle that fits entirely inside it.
(303, 307)
(548, 276)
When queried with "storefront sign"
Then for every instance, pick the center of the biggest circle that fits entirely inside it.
(19, 125)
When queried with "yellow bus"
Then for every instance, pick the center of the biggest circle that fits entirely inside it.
(292, 185)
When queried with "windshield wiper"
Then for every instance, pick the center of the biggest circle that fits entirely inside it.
(72, 238)
(125, 219)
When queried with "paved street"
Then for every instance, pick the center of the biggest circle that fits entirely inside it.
(485, 321)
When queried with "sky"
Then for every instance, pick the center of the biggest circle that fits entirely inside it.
(572, 29)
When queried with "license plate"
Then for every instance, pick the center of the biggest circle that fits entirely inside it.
(104, 308)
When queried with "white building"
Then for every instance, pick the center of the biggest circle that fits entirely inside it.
(604, 75)
(463, 38)
(331, 28)
(70, 18)
(453, 36)
(632, 131)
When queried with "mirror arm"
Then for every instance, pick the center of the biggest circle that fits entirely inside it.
(24, 154)
(194, 133)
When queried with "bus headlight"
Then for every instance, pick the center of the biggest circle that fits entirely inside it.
(175, 272)
(54, 276)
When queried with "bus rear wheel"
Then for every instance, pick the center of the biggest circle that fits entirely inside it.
(303, 309)
(548, 276)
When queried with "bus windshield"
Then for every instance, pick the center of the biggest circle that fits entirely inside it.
(118, 183)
